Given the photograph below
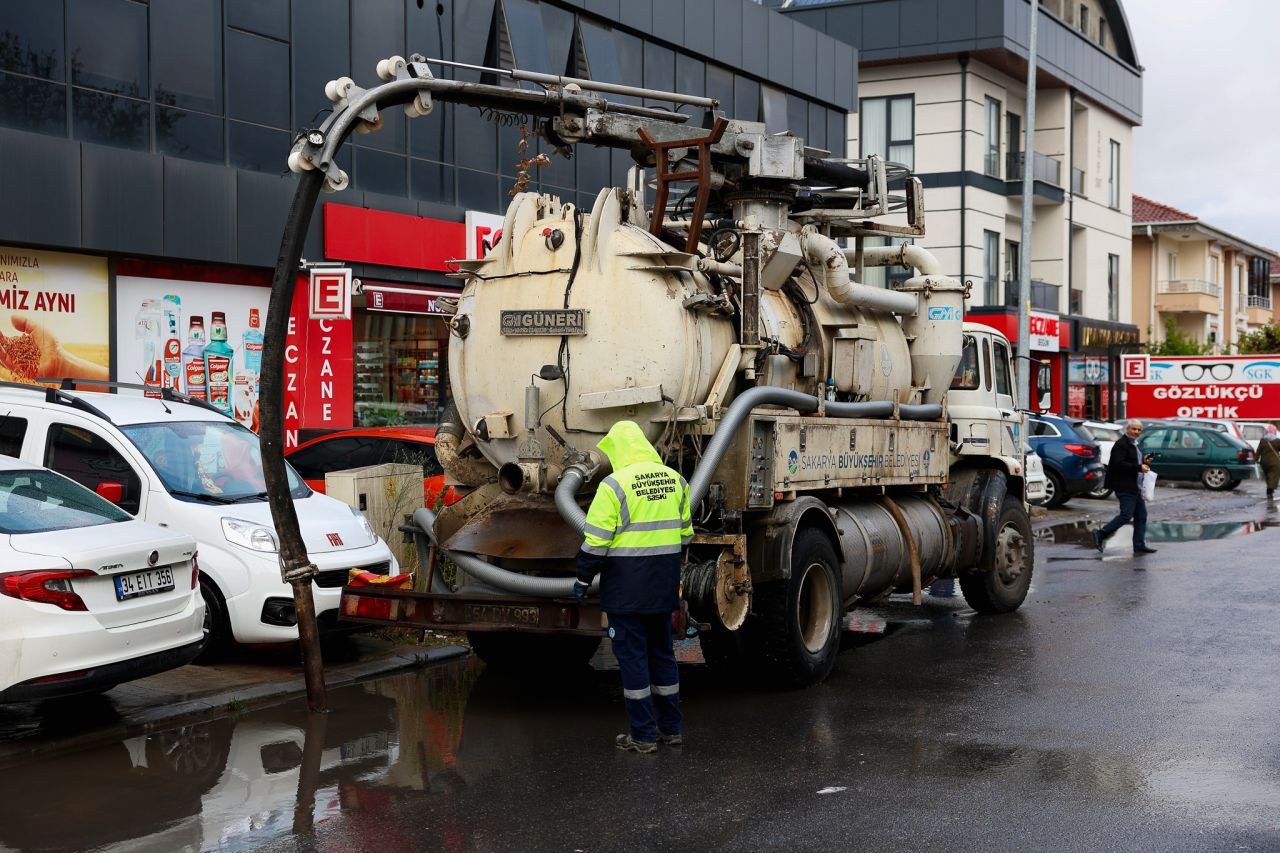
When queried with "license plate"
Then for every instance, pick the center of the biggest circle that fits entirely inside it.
(501, 614)
(149, 582)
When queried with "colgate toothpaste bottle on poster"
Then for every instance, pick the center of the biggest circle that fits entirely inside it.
(217, 363)
(193, 359)
(172, 350)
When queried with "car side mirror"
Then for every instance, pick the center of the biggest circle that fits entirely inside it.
(113, 492)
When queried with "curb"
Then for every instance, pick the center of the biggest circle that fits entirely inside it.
(213, 705)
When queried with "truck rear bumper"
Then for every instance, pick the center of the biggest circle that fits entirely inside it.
(469, 612)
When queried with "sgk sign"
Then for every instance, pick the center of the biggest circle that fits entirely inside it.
(1246, 387)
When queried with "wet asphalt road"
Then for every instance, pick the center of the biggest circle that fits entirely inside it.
(1131, 704)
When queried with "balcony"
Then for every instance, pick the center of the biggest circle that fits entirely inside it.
(1259, 311)
(1188, 296)
(1043, 168)
(1077, 181)
(1044, 296)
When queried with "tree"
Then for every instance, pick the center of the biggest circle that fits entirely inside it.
(1177, 342)
(1265, 340)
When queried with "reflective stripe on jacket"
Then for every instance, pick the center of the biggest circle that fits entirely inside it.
(636, 527)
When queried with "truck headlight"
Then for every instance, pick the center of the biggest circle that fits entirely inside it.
(250, 534)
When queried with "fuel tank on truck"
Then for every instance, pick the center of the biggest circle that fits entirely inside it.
(632, 325)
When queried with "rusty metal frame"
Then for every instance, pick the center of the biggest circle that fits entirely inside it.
(665, 177)
(427, 610)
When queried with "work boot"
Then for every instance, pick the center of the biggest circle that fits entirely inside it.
(670, 740)
(627, 743)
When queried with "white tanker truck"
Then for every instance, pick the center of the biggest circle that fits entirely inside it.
(841, 441)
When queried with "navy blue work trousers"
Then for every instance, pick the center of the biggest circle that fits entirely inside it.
(650, 680)
(1132, 508)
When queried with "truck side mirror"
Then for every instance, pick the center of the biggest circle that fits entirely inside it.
(113, 492)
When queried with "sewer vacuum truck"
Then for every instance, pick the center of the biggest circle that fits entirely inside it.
(841, 441)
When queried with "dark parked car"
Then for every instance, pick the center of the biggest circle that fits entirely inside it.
(1218, 460)
(1071, 461)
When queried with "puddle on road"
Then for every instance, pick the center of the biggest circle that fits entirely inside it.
(1081, 532)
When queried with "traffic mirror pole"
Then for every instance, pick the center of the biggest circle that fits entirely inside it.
(296, 567)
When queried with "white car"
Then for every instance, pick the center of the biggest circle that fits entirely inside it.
(1231, 428)
(89, 596)
(1105, 435)
(187, 466)
(1035, 477)
(1252, 433)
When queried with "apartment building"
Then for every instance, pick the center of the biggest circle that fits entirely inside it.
(942, 88)
(1212, 285)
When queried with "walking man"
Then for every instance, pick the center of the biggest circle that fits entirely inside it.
(1123, 467)
(637, 526)
(1269, 457)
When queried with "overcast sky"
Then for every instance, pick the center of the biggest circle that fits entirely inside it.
(1209, 142)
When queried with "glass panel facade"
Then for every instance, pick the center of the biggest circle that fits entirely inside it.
(264, 17)
(31, 38)
(192, 136)
(260, 149)
(111, 120)
(109, 46)
(29, 104)
(186, 48)
(257, 79)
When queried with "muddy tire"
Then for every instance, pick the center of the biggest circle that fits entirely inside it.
(1216, 479)
(1055, 490)
(513, 651)
(217, 626)
(795, 631)
(1001, 585)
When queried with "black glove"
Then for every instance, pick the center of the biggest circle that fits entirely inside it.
(580, 591)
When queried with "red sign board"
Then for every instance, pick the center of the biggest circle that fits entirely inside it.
(1234, 387)
(391, 239)
(330, 294)
(318, 389)
(407, 300)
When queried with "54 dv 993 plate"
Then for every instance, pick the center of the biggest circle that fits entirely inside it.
(149, 582)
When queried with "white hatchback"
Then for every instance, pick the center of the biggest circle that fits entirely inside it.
(89, 596)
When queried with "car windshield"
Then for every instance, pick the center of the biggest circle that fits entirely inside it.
(38, 501)
(212, 461)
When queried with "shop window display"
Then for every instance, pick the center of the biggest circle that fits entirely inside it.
(401, 374)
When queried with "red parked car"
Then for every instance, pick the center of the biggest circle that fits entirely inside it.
(362, 446)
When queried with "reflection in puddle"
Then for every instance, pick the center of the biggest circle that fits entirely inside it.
(1081, 532)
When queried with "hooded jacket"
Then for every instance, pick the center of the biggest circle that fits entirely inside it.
(637, 526)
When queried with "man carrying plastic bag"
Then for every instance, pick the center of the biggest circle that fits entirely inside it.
(1123, 468)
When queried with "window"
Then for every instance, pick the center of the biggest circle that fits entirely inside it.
(1084, 19)
(888, 129)
(1001, 357)
(12, 431)
(1113, 287)
(1038, 427)
(986, 363)
(1012, 270)
(88, 459)
(109, 46)
(36, 501)
(1013, 143)
(337, 454)
(1102, 33)
(415, 453)
(1113, 181)
(258, 79)
(991, 163)
(186, 51)
(966, 375)
(193, 136)
(990, 266)
(1171, 265)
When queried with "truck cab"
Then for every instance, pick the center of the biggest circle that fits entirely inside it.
(985, 421)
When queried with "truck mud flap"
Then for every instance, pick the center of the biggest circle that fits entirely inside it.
(406, 609)
(980, 491)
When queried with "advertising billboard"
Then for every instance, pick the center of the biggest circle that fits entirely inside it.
(1234, 387)
(54, 317)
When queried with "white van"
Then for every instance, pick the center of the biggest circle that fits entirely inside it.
(187, 466)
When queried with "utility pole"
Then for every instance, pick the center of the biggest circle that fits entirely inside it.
(1028, 186)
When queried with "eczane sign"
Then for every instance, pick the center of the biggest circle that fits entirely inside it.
(1234, 387)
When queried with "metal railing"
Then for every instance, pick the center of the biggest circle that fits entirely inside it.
(1043, 168)
(1260, 302)
(1077, 181)
(1189, 285)
(1043, 295)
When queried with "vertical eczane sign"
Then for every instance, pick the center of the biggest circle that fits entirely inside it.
(318, 390)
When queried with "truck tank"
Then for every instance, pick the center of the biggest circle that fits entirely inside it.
(636, 330)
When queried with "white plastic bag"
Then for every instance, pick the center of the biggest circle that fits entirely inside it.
(1148, 485)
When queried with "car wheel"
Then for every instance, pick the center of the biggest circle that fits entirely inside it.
(1233, 484)
(1055, 490)
(1216, 479)
(217, 626)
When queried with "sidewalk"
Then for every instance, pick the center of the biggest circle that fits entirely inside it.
(253, 679)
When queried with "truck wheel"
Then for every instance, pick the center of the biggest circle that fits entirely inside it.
(217, 627)
(514, 650)
(1002, 583)
(797, 621)
(1055, 490)
(1216, 479)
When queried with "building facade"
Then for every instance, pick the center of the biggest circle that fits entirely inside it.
(1200, 281)
(942, 88)
(143, 146)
